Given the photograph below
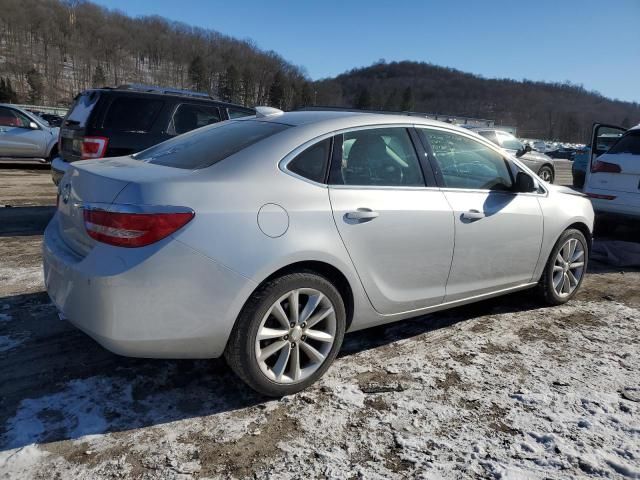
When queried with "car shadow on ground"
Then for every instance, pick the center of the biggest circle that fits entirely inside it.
(25, 166)
(24, 221)
(58, 384)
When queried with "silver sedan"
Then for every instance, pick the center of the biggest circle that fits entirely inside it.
(266, 239)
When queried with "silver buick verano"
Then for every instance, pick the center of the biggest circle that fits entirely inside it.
(265, 239)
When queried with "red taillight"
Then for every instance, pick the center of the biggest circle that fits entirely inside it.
(94, 147)
(132, 229)
(605, 167)
(600, 197)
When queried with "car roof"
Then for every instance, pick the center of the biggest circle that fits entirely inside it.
(348, 119)
(163, 94)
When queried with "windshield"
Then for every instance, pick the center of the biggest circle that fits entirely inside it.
(208, 145)
(509, 141)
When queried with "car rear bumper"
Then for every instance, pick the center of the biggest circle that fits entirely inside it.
(162, 301)
(58, 168)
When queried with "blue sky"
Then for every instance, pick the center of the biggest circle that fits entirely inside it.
(591, 42)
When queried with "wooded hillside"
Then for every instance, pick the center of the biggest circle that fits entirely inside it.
(539, 110)
(51, 49)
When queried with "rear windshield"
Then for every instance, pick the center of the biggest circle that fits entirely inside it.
(81, 108)
(208, 145)
(129, 114)
(629, 143)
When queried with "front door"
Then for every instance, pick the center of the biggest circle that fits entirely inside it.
(17, 139)
(398, 232)
(498, 233)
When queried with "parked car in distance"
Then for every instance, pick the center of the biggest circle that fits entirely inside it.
(264, 239)
(538, 162)
(607, 137)
(613, 177)
(25, 137)
(107, 122)
(566, 153)
(51, 119)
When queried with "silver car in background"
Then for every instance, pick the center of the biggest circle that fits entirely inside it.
(265, 239)
(26, 137)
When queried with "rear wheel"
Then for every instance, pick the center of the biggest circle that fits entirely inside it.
(546, 174)
(565, 268)
(288, 334)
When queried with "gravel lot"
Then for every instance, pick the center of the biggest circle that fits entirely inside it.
(501, 389)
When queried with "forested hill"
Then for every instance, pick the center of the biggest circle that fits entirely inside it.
(51, 49)
(540, 110)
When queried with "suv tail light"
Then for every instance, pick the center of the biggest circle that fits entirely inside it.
(93, 147)
(605, 167)
(124, 229)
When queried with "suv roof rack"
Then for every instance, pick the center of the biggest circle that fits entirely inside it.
(152, 89)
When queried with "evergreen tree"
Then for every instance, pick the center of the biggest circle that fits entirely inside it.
(36, 86)
(363, 100)
(407, 100)
(99, 79)
(277, 90)
(198, 74)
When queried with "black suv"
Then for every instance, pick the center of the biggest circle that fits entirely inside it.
(110, 122)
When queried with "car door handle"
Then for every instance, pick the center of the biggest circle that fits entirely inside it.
(473, 215)
(362, 215)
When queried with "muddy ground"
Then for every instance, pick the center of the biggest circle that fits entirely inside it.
(501, 389)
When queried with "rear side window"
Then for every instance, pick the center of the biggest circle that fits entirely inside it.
(629, 143)
(188, 117)
(129, 114)
(208, 145)
(312, 163)
(82, 108)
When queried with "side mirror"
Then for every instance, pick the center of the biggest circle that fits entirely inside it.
(524, 183)
(33, 126)
(525, 149)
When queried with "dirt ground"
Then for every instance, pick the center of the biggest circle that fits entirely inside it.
(501, 389)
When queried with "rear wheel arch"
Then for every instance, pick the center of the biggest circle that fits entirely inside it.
(324, 269)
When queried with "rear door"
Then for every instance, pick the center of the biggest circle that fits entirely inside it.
(17, 138)
(498, 232)
(398, 231)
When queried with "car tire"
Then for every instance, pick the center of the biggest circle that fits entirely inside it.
(546, 174)
(563, 266)
(275, 374)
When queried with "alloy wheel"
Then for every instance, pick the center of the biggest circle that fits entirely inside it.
(568, 267)
(296, 335)
(545, 174)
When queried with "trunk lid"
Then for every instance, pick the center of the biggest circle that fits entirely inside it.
(100, 181)
(627, 180)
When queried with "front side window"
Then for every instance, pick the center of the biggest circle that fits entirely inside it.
(188, 117)
(312, 163)
(132, 115)
(377, 157)
(466, 163)
(208, 145)
(11, 118)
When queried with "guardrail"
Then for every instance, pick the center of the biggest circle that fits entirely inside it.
(61, 111)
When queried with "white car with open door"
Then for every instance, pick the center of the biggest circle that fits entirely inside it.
(613, 175)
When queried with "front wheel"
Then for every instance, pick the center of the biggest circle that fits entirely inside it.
(565, 268)
(288, 334)
(546, 174)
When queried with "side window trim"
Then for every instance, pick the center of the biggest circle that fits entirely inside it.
(428, 174)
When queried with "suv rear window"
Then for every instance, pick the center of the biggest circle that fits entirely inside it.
(188, 117)
(129, 114)
(208, 145)
(82, 107)
(628, 143)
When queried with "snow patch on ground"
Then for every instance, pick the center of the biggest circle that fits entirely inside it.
(25, 277)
